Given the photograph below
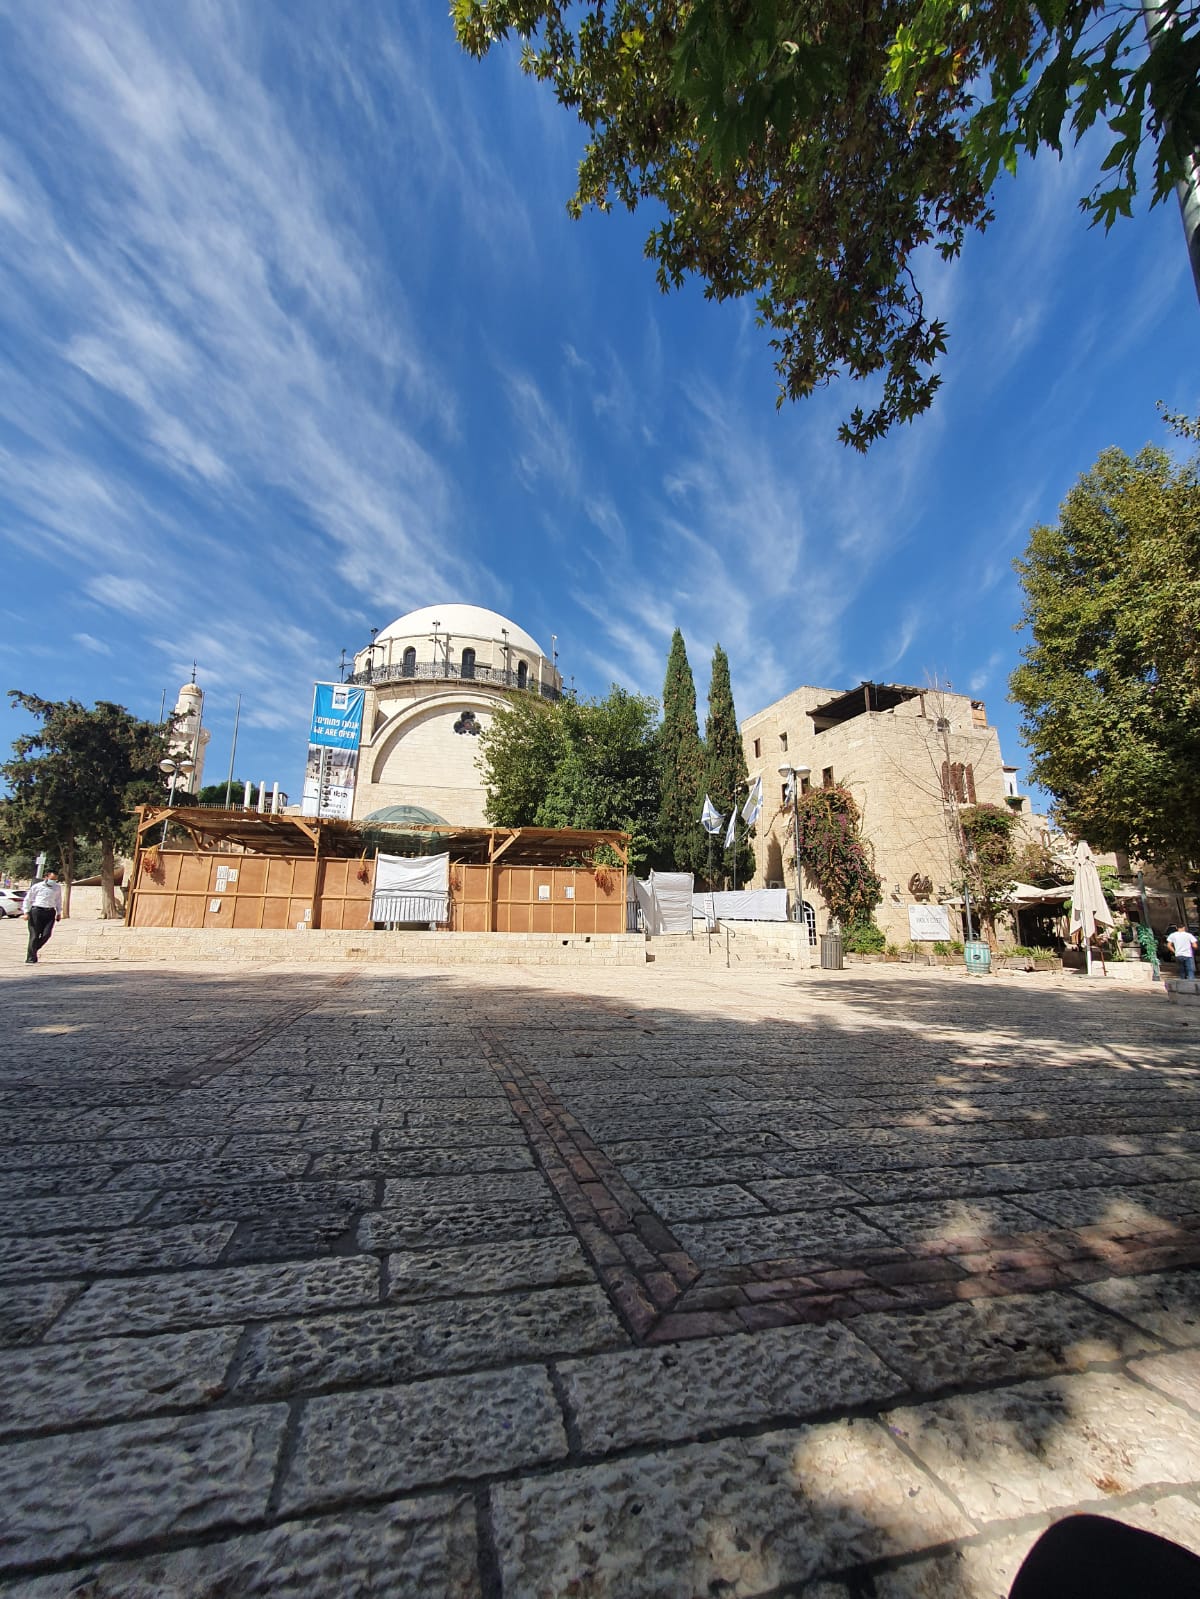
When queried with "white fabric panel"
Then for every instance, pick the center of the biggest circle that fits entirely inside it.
(646, 904)
(411, 888)
(744, 905)
(673, 901)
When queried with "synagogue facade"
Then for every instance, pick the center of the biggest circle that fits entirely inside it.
(433, 680)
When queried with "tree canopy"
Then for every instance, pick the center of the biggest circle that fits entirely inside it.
(804, 154)
(575, 763)
(835, 854)
(1110, 682)
(76, 777)
(726, 773)
(680, 768)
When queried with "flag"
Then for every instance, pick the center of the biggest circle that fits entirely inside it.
(788, 789)
(752, 809)
(710, 817)
(731, 830)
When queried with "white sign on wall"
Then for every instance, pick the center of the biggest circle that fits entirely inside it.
(928, 921)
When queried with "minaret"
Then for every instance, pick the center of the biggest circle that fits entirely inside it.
(189, 737)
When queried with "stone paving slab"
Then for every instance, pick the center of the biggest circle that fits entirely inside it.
(387, 1439)
(108, 1379)
(619, 1286)
(1069, 1441)
(236, 1293)
(735, 1517)
(427, 1547)
(73, 1494)
(408, 1341)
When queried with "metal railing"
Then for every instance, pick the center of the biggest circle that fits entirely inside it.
(451, 671)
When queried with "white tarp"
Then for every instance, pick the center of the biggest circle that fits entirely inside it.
(744, 905)
(411, 888)
(665, 902)
(673, 901)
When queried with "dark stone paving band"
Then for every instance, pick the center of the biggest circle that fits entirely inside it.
(662, 1295)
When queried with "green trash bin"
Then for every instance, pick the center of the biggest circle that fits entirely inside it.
(978, 958)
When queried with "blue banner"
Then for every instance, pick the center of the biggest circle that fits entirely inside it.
(337, 716)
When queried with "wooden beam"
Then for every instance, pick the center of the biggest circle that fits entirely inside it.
(494, 854)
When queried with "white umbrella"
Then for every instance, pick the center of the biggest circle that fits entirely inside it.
(1089, 908)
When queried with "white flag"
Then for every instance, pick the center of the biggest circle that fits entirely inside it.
(788, 788)
(731, 830)
(710, 817)
(752, 809)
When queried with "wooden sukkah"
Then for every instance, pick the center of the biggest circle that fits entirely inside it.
(249, 868)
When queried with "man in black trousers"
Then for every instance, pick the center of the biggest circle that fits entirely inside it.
(42, 907)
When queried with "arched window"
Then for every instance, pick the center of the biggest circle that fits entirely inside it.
(410, 661)
(522, 675)
(468, 664)
(810, 921)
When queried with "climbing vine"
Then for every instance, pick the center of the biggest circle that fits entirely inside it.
(836, 856)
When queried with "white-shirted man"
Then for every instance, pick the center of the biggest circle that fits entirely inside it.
(41, 907)
(1183, 947)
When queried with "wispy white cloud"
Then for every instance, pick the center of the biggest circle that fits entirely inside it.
(94, 645)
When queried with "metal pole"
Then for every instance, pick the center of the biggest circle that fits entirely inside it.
(170, 801)
(237, 716)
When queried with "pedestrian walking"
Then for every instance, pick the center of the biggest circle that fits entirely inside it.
(41, 907)
(1183, 947)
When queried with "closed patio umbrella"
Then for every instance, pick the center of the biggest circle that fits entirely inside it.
(1089, 908)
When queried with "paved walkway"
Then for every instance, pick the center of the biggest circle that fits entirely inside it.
(506, 1282)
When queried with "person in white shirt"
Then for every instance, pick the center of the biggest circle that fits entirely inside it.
(41, 907)
(1183, 947)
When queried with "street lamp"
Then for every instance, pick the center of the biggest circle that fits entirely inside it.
(172, 768)
(795, 775)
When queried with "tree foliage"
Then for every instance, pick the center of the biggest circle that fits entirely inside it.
(77, 777)
(680, 768)
(987, 869)
(805, 154)
(836, 856)
(727, 774)
(575, 763)
(1110, 682)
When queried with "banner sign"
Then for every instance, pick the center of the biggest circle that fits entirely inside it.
(928, 922)
(333, 740)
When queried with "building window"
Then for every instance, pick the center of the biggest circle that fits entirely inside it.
(468, 664)
(804, 785)
(958, 782)
(410, 662)
(810, 921)
(783, 741)
(758, 749)
(467, 724)
(522, 675)
(827, 777)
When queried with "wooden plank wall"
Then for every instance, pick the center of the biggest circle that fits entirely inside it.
(273, 891)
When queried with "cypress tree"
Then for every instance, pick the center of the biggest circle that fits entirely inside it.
(726, 776)
(681, 767)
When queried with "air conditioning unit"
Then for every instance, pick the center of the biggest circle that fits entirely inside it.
(776, 885)
(942, 724)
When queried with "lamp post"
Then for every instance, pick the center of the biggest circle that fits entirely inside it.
(795, 775)
(172, 768)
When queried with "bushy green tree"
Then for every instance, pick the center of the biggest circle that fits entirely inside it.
(726, 774)
(680, 838)
(806, 154)
(987, 869)
(589, 764)
(1110, 681)
(78, 777)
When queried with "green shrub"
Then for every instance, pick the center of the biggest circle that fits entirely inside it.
(863, 938)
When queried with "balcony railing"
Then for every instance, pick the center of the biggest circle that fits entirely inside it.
(451, 671)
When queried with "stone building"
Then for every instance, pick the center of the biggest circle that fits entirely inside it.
(434, 679)
(189, 737)
(908, 756)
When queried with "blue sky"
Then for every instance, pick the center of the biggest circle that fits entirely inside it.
(296, 336)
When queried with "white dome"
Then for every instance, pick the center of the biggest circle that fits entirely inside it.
(461, 621)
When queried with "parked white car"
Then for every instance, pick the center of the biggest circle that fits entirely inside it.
(11, 900)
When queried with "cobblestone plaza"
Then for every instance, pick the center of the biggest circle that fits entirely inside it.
(625, 1282)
